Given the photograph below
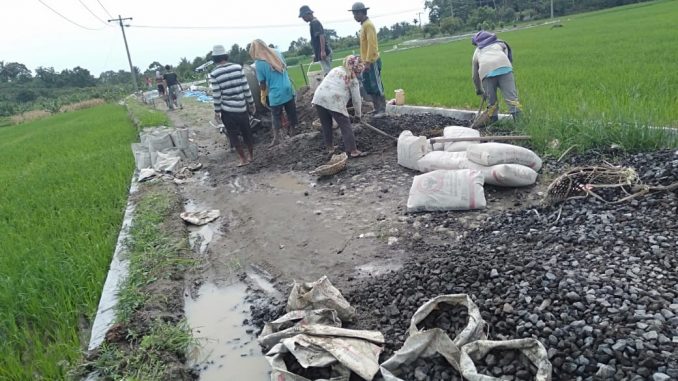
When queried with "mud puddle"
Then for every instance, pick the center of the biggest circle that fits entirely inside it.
(228, 349)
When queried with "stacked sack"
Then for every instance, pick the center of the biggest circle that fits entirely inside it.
(163, 149)
(453, 169)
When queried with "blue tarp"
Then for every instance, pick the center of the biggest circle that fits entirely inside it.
(200, 96)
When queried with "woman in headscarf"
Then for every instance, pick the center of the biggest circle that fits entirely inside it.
(274, 81)
(331, 97)
(493, 68)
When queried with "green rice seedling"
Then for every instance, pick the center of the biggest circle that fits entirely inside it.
(63, 189)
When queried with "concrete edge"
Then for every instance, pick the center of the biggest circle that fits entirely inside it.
(117, 273)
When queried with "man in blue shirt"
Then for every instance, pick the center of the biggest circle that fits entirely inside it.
(274, 80)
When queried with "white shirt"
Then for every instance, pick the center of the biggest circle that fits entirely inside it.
(333, 93)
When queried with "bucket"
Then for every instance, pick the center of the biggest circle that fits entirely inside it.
(400, 97)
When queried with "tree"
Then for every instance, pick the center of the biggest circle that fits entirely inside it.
(25, 96)
(47, 76)
(450, 25)
(14, 71)
(155, 65)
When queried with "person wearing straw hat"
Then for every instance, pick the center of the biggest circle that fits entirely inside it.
(330, 99)
(232, 102)
(369, 52)
(273, 78)
(322, 52)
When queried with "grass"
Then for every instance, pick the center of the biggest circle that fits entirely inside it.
(63, 189)
(588, 83)
(155, 255)
(146, 116)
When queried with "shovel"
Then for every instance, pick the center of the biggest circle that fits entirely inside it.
(482, 118)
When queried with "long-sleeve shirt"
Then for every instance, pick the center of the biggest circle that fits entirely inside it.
(230, 90)
(488, 59)
(369, 47)
(333, 92)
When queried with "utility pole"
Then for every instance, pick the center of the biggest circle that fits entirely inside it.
(551, 9)
(420, 26)
(129, 59)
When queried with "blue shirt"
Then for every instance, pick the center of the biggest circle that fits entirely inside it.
(499, 71)
(279, 86)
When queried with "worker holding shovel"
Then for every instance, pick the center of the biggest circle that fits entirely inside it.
(492, 68)
(330, 99)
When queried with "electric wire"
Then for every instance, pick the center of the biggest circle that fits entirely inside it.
(241, 27)
(93, 14)
(66, 18)
(104, 8)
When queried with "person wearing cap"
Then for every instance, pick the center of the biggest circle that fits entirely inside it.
(232, 102)
(321, 49)
(369, 52)
(492, 69)
(330, 99)
(273, 79)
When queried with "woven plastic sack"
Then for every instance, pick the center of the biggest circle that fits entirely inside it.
(531, 348)
(428, 343)
(459, 132)
(489, 154)
(442, 160)
(180, 138)
(142, 157)
(317, 295)
(505, 175)
(447, 190)
(411, 148)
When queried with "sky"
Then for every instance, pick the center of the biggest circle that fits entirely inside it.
(35, 35)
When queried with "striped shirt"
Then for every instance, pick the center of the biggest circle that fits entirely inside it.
(230, 90)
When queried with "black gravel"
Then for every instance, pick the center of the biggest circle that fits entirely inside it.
(450, 318)
(597, 286)
(506, 364)
(435, 368)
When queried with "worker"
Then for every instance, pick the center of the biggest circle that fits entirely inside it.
(173, 88)
(492, 68)
(321, 49)
(274, 81)
(330, 99)
(369, 53)
(232, 102)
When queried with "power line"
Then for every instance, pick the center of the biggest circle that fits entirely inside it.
(92, 13)
(241, 27)
(104, 8)
(66, 18)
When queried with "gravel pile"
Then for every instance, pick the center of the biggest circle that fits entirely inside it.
(450, 318)
(598, 285)
(506, 364)
(435, 368)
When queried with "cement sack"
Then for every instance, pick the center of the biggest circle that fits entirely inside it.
(200, 218)
(503, 175)
(180, 138)
(436, 146)
(428, 343)
(165, 162)
(459, 132)
(358, 353)
(411, 148)
(159, 142)
(442, 160)
(317, 295)
(191, 152)
(447, 190)
(532, 350)
(489, 154)
(287, 325)
(142, 157)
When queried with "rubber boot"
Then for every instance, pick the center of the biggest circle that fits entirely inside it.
(379, 106)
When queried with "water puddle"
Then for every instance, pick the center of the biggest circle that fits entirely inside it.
(264, 285)
(289, 182)
(228, 351)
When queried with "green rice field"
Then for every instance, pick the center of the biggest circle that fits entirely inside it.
(601, 70)
(63, 188)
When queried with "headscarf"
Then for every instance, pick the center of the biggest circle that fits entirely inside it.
(483, 39)
(260, 51)
(354, 66)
